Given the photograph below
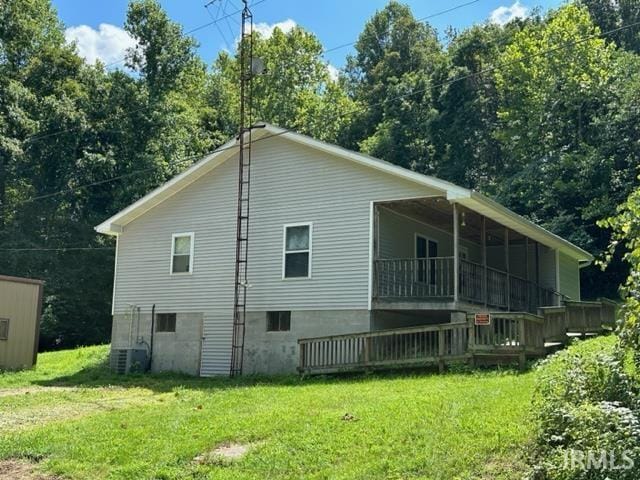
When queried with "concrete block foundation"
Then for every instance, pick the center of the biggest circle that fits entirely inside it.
(177, 351)
(277, 352)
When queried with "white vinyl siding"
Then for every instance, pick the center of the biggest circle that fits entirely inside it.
(569, 271)
(290, 184)
(397, 237)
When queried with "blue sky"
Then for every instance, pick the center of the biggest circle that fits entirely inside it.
(96, 25)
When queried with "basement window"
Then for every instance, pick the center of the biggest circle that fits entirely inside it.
(166, 322)
(4, 329)
(297, 251)
(278, 321)
(181, 253)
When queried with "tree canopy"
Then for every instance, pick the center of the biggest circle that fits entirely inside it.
(541, 113)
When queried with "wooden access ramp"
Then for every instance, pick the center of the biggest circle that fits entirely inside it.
(513, 336)
(508, 337)
(574, 318)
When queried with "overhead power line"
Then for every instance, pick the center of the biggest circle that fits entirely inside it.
(359, 108)
(422, 19)
(198, 28)
(215, 22)
(55, 249)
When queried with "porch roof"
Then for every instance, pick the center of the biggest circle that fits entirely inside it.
(453, 193)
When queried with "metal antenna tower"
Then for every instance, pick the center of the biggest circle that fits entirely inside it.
(244, 177)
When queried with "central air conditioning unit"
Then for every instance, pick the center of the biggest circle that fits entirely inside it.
(129, 360)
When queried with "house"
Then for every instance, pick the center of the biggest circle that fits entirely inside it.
(20, 310)
(339, 243)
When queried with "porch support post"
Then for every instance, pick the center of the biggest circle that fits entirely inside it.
(483, 241)
(375, 253)
(526, 257)
(526, 271)
(537, 261)
(456, 253)
(506, 265)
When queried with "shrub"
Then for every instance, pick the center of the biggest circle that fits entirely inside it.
(585, 406)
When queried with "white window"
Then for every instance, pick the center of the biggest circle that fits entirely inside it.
(296, 262)
(182, 253)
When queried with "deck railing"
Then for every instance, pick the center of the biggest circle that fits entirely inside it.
(405, 346)
(433, 278)
(515, 332)
(509, 334)
(585, 317)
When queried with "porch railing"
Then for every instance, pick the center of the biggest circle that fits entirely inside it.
(433, 278)
(415, 277)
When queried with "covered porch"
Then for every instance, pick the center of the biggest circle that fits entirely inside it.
(434, 254)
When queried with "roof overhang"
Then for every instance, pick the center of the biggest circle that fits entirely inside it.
(468, 198)
(497, 212)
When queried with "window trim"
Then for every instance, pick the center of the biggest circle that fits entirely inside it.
(8, 322)
(428, 239)
(285, 252)
(192, 236)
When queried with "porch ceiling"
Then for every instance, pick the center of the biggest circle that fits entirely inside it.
(438, 212)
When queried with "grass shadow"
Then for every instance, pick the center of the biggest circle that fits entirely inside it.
(99, 375)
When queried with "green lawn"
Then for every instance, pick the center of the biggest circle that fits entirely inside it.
(76, 420)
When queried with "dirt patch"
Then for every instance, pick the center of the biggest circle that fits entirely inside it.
(223, 454)
(70, 407)
(22, 470)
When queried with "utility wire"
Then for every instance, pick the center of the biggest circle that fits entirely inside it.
(215, 22)
(422, 19)
(176, 162)
(200, 27)
(222, 35)
(399, 97)
(57, 249)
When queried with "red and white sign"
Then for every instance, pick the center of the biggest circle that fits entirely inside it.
(483, 319)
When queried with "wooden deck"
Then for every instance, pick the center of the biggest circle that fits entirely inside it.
(511, 336)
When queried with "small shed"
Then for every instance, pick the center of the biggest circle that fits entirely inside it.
(20, 310)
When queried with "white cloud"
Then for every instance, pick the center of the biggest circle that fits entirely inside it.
(266, 29)
(333, 72)
(108, 44)
(502, 15)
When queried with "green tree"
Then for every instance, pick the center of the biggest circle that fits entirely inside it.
(389, 79)
(619, 17)
(557, 86)
(466, 99)
(295, 91)
(64, 124)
